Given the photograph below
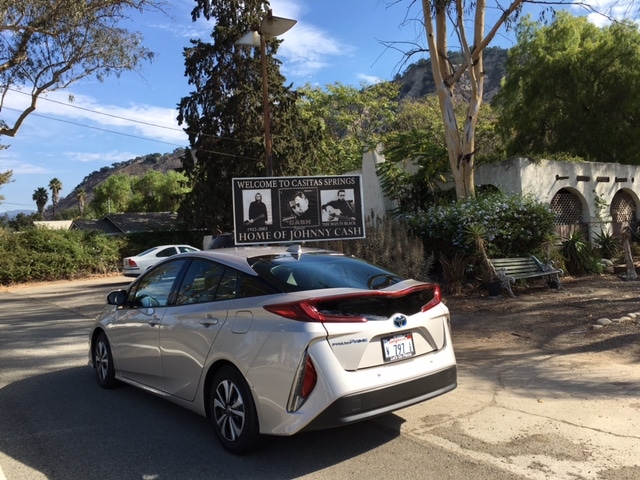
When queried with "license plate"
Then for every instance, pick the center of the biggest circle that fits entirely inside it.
(398, 347)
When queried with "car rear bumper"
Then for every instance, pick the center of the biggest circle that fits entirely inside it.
(365, 405)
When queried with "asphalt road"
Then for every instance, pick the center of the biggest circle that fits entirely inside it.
(56, 423)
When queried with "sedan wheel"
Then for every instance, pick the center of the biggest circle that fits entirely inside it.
(103, 362)
(233, 412)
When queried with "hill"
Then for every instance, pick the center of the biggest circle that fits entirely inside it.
(416, 82)
(137, 167)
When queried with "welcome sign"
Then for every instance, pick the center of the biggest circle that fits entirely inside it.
(297, 209)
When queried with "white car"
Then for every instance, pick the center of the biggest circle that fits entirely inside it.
(134, 266)
(276, 340)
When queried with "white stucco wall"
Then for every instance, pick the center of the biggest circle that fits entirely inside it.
(595, 184)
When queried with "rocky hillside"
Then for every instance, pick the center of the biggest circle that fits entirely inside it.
(137, 167)
(416, 82)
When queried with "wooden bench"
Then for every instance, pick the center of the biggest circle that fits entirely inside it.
(511, 269)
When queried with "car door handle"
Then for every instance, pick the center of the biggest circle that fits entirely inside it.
(154, 321)
(209, 322)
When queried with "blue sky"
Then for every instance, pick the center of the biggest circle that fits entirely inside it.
(134, 115)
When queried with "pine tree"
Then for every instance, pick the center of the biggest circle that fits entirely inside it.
(224, 116)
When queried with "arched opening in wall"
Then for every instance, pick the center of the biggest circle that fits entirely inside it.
(567, 208)
(623, 210)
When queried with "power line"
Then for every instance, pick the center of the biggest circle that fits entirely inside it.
(98, 113)
(130, 135)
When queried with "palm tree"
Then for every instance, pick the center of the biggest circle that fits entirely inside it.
(55, 186)
(41, 197)
(81, 196)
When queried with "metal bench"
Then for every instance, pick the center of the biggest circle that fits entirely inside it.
(511, 269)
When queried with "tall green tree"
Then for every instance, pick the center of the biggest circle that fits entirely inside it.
(353, 119)
(81, 196)
(158, 192)
(113, 195)
(41, 197)
(47, 45)
(573, 88)
(223, 114)
(55, 185)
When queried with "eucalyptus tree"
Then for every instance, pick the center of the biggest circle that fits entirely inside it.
(573, 88)
(47, 45)
(223, 114)
(55, 185)
(41, 197)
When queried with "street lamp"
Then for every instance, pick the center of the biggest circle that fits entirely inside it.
(270, 26)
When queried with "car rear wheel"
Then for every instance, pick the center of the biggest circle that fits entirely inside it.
(233, 411)
(103, 362)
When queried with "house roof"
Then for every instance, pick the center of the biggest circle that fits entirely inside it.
(119, 223)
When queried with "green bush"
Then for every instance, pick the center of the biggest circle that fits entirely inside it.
(513, 225)
(40, 254)
(581, 257)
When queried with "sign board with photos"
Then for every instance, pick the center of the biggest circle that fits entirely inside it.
(297, 209)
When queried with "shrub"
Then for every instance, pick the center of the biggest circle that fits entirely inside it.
(513, 225)
(581, 257)
(389, 244)
(39, 254)
(608, 245)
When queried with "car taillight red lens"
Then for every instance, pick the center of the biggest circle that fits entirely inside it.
(305, 382)
(437, 298)
(361, 307)
(309, 379)
(132, 263)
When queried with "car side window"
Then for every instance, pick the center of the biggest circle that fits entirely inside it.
(228, 285)
(251, 286)
(154, 288)
(186, 249)
(166, 252)
(200, 283)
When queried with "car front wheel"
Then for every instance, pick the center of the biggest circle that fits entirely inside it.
(103, 362)
(233, 412)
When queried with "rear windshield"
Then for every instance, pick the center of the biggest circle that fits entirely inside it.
(310, 271)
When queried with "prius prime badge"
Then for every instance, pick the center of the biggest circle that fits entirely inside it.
(400, 321)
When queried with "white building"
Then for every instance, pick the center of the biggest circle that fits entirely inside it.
(587, 196)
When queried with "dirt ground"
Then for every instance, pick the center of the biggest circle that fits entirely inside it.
(558, 321)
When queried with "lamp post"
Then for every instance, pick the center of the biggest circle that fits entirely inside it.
(269, 26)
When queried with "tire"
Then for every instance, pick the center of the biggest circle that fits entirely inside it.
(233, 412)
(103, 362)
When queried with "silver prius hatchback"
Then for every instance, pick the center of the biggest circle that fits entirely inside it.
(276, 340)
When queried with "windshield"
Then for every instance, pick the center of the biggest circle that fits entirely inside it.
(312, 271)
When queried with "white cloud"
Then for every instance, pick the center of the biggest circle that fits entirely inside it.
(103, 158)
(600, 12)
(157, 123)
(369, 79)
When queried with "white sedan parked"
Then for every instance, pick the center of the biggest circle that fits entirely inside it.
(134, 266)
(274, 341)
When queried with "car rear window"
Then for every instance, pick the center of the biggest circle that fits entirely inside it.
(310, 271)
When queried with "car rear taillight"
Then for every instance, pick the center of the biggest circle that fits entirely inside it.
(306, 380)
(437, 298)
(131, 263)
(361, 307)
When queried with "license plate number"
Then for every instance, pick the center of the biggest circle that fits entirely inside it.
(398, 347)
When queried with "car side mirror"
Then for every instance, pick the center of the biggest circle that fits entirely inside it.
(117, 297)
